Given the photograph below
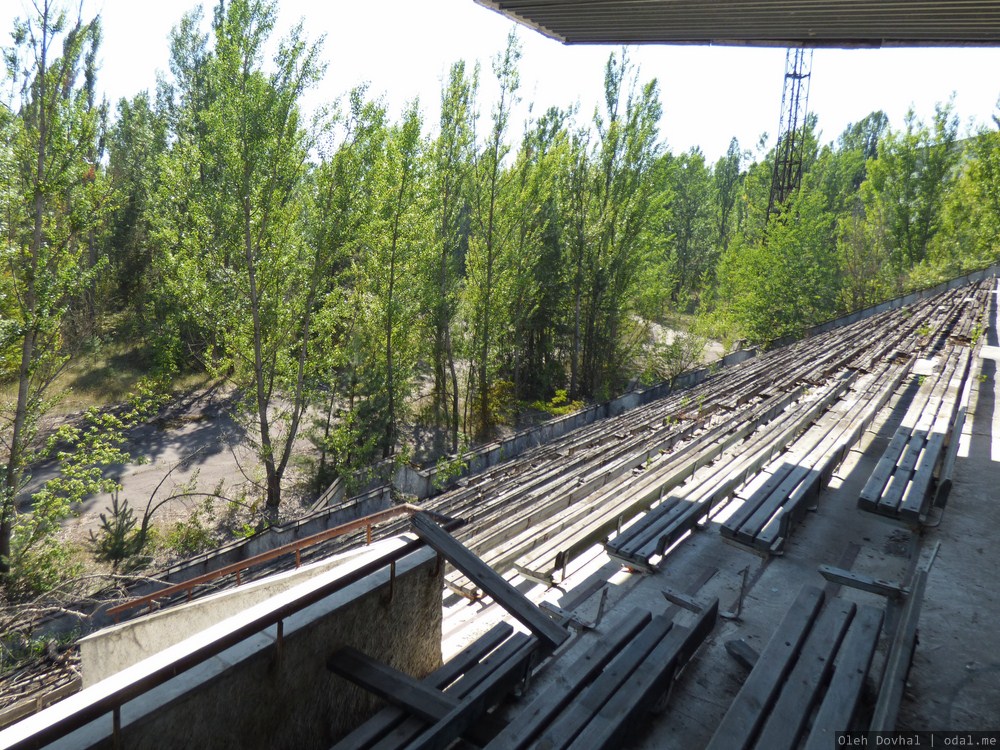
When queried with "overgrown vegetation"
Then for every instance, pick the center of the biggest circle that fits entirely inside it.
(322, 269)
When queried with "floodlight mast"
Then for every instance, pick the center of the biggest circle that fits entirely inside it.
(788, 153)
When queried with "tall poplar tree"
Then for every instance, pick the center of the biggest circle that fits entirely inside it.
(54, 199)
(492, 235)
(450, 177)
(242, 164)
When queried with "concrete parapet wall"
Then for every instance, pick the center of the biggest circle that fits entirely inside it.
(893, 304)
(118, 647)
(422, 482)
(256, 694)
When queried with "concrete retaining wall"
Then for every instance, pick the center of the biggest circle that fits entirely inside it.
(118, 647)
(254, 695)
(422, 482)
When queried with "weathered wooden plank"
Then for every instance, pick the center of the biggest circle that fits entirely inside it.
(488, 726)
(844, 693)
(752, 504)
(463, 717)
(564, 728)
(772, 504)
(624, 710)
(662, 514)
(868, 499)
(899, 658)
(539, 713)
(776, 531)
(861, 582)
(593, 520)
(390, 716)
(917, 495)
(739, 726)
(390, 684)
(892, 495)
(512, 600)
(854, 423)
(801, 689)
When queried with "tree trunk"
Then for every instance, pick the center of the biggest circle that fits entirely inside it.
(273, 478)
(12, 477)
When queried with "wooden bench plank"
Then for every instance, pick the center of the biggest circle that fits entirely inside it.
(844, 693)
(868, 499)
(752, 504)
(892, 495)
(739, 725)
(801, 689)
(462, 719)
(574, 718)
(540, 712)
(487, 726)
(390, 684)
(899, 658)
(916, 497)
(653, 677)
(391, 716)
(509, 598)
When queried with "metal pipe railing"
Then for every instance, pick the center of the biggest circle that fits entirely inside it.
(21, 736)
(296, 547)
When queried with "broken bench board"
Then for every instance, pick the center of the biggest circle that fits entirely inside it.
(389, 718)
(814, 665)
(505, 595)
(605, 693)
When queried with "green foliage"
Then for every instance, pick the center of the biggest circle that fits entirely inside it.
(333, 272)
(194, 534)
(117, 541)
(779, 286)
(54, 199)
(448, 468)
(503, 402)
(559, 405)
(235, 176)
(665, 361)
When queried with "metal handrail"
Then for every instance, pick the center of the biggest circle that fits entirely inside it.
(365, 522)
(113, 700)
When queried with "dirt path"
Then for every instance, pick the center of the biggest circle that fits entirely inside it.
(195, 440)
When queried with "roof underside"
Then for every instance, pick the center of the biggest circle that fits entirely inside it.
(812, 23)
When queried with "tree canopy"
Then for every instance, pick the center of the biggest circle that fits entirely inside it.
(359, 275)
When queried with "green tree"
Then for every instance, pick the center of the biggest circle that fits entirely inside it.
(490, 243)
(393, 243)
(240, 162)
(450, 182)
(727, 176)
(625, 204)
(337, 215)
(691, 225)
(54, 199)
(781, 284)
(136, 145)
(905, 188)
(538, 275)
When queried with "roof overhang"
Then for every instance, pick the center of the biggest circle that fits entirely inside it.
(791, 23)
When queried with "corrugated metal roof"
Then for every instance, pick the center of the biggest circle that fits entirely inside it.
(814, 23)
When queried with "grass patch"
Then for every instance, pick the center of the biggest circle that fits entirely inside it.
(104, 375)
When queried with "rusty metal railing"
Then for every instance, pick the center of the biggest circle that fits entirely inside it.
(296, 547)
(35, 734)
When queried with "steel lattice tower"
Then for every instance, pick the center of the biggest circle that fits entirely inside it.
(791, 128)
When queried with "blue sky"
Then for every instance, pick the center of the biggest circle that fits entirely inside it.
(710, 94)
